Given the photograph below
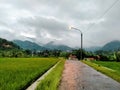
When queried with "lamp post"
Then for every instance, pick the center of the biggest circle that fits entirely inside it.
(81, 40)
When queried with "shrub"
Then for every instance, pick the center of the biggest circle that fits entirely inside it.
(104, 58)
(118, 56)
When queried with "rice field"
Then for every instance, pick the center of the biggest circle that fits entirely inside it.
(19, 73)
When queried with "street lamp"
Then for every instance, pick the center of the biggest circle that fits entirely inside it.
(81, 39)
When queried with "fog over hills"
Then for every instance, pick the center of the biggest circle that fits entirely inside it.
(94, 48)
(110, 46)
(33, 46)
(28, 45)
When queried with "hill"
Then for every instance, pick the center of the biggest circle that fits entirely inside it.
(113, 45)
(29, 45)
(33, 46)
(7, 45)
(51, 45)
(92, 49)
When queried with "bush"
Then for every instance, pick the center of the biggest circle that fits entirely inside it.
(64, 54)
(104, 58)
(118, 56)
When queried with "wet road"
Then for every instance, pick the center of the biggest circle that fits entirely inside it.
(79, 76)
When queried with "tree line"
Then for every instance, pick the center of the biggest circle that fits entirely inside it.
(103, 55)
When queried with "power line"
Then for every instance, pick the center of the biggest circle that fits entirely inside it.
(104, 13)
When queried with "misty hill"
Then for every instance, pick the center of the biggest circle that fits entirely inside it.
(33, 46)
(29, 45)
(113, 45)
(51, 45)
(92, 49)
(110, 46)
(7, 45)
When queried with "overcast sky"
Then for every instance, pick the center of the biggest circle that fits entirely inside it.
(43, 21)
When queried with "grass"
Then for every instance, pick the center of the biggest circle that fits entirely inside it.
(111, 69)
(52, 80)
(19, 73)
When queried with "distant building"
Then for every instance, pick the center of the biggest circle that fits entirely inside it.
(72, 57)
(7, 45)
(92, 58)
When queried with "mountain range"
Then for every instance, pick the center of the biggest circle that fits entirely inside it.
(5, 44)
(93, 48)
(51, 45)
(33, 46)
(111, 46)
(29, 45)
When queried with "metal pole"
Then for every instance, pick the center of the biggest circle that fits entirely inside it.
(81, 45)
(81, 41)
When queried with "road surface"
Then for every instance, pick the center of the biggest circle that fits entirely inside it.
(79, 76)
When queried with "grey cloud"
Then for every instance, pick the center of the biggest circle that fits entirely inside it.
(41, 23)
(48, 20)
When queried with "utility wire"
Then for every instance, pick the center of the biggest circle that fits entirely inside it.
(104, 14)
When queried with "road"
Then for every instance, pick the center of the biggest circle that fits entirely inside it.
(79, 76)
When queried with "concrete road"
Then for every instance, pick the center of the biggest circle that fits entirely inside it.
(79, 76)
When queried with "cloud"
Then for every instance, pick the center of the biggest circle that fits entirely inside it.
(43, 21)
(27, 35)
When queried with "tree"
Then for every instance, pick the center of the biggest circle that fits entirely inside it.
(78, 53)
(64, 54)
(118, 56)
(104, 57)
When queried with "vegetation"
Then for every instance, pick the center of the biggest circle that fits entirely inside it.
(34, 46)
(108, 55)
(10, 49)
(111, 69)
(27, 49)
(118, 56)
(49, 53)
(18, 73)
(111, 46)
(51, 81)
(29, 45)
(6, 45)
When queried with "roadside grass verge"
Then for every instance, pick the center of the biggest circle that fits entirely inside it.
(111, 69)
(19, 73)
(52, 80)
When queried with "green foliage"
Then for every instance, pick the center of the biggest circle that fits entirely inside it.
(52, 80)
(78, 53)
(12, 53)
(7, 45)
(111, 69)
(100, 52)
(111, 46)
(29, 45)
(9, 49)
(64, 54)
(48, 53)
(104, 57)
(18, 73)
(118, 56)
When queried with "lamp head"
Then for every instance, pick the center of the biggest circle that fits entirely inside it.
(70, 27)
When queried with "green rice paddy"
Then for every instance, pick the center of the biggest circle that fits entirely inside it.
(19, 73)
